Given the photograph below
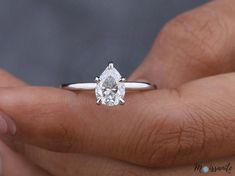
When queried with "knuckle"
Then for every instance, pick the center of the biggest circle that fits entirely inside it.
(198, 35)
(168, 142)
(216, 120)
(161, 140)
(206, 127)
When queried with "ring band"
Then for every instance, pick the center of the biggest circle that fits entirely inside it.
(110, 87)
(129, 85)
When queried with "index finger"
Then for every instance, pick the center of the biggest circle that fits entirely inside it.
(155, 128)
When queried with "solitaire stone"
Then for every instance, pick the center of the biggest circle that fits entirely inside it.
(110, 90)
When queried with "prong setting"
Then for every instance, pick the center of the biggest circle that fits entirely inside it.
(122, 79)
(121, 101)
(98, 101)
(110, 65)
(97, 79)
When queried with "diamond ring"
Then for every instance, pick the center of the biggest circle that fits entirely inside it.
(110, 87)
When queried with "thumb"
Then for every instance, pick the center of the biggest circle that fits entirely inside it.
(187, 48)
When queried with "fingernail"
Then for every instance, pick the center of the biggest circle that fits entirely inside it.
(7, 125)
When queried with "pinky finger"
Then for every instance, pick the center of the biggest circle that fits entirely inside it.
(13, 164)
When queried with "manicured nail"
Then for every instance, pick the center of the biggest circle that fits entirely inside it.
(7, 125)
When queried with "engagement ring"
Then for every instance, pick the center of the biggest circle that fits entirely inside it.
(110, 87)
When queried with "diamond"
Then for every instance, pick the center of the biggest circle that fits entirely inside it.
(110, 89)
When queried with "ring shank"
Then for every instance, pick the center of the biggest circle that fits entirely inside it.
(129, 85)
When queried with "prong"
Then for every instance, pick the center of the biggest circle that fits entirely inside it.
(110, 65)
(122, 79)
(98, 101)
(121, 101)
(97, 79)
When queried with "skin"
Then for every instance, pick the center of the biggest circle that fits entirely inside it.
(189, 119)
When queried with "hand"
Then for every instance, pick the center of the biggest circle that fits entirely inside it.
(30, 160)
(179, 124)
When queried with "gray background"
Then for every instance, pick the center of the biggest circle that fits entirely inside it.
(46, 42)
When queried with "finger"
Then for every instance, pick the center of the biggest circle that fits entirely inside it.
(79, 163)
(166, 127)
(14, 165)
(83, 165)
(195, 44)
(8, 80)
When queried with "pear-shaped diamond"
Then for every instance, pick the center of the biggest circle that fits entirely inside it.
(110, 90)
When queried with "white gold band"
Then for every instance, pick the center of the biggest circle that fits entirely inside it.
(129, 85)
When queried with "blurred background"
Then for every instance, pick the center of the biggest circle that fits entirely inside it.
(48, 42)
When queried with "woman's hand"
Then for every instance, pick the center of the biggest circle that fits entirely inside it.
(179, 124)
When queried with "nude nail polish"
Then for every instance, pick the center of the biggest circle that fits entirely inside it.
(7, 125)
